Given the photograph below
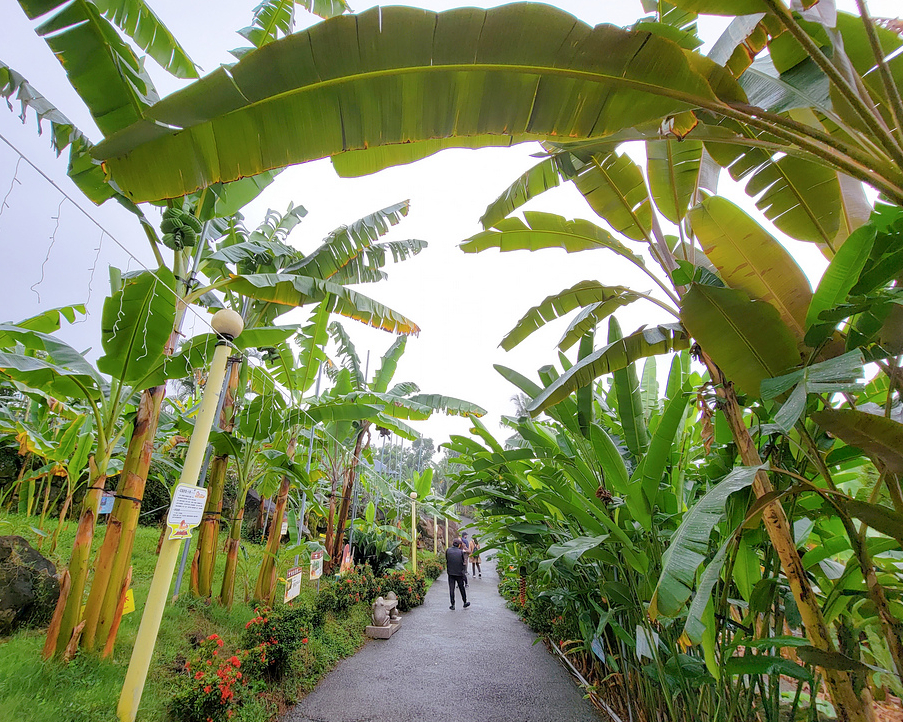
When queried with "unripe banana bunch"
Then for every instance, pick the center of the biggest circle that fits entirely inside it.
(180, 229)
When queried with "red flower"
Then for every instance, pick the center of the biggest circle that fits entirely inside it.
(238, 675)
(304, 641)
(219, 643)
(198, 675)
(207, 689)
(236, 662)
(213, 636)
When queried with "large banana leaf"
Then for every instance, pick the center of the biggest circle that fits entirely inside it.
(630, 399)
(837, 282)
(448, 405)
(522, 71)
(546, 230)
(290, 290)
(674, 175)
(689, 546)
(136, 324)
(311, 344)
(800, 197)
(49, 378)
(876, 435)
(348, 242)
(541, 177)
(612, 357)
(747, 339)
(751, 260)
(604, 299)
(388, 365)
(137, 20)
(615, 189)
(101, 66)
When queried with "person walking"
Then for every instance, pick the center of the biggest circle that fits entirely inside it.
(465, 547)
(455, 566)
(475, 557)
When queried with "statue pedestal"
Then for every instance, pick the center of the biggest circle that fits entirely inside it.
(382, 632)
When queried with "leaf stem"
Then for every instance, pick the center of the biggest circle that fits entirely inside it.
(840, 83)
(890, 87)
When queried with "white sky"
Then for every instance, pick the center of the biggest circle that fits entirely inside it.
(465, 304)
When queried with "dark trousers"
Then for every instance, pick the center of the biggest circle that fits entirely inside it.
(452, 580)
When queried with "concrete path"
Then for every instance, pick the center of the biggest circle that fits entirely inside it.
(469, 665)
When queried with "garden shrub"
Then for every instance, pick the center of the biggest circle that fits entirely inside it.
(380, 551)
(210, 687)
(432, 568)
(271, 639)
(341, 593)
(409, 587)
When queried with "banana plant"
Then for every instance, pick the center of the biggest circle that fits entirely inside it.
(402, 402)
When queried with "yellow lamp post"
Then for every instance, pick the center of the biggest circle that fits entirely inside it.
(446, 532)
(414, 531)
(227, 324)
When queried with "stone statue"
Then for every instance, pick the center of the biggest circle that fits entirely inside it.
(385, 617)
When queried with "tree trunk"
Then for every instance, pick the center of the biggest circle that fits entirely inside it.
(208, 535)
(115, 555)
(71, 604)
(849, 707)
(227, 590)
(347, 491)
(266, 579)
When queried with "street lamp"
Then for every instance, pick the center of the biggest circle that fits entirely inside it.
(227, 324)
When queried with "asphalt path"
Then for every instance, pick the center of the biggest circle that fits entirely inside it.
(469, 665)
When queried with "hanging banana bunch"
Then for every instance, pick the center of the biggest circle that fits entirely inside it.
(180, 229)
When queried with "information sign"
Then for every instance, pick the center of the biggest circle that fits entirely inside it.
(293, 583)
(186, 510)
(316, 565)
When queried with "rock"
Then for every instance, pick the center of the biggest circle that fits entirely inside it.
(29, 588)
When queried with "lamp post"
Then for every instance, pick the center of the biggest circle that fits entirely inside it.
(414, 531)
(227, 324)
(446, 532)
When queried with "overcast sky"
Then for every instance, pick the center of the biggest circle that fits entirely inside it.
(464, 304)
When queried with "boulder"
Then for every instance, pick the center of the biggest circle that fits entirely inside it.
(29, 588)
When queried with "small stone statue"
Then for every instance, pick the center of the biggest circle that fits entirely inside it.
(385, 617)
(381, 612)
(394, 616)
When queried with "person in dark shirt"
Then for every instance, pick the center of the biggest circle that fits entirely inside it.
(455, 565)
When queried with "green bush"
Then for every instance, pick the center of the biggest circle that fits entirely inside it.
(341, 593)
(432, 568)
(271, 639)
(380, 551)
(409, 587)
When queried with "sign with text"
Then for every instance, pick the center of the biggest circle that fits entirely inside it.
(186, 510)
(316, 565)
(129, 605)
(106, 504)
(293, 583)
(284, 528)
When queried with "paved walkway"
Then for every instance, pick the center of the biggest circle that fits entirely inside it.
(469, 665)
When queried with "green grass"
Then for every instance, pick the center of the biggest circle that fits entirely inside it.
(88, 689)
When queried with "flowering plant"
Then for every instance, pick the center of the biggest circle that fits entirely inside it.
(211, 685)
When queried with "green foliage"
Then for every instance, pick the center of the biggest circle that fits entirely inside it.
(378, 550)
(409, 587)
(431, 568)
(211, 685)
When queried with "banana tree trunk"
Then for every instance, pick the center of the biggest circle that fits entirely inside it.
(347, 490)
(330, 528)
(227, 590)
(115, 555)
(208, 535)
(266, 579)
(69, 607)
(848, 705)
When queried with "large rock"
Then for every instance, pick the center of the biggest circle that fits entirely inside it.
(29, 588)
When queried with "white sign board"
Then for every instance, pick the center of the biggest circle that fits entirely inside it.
(186, 510)
(106, 504)
(316, 565)
(284, 528)
(293, 583)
